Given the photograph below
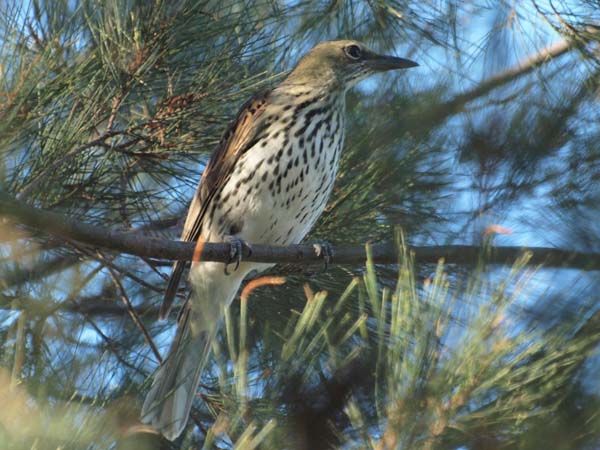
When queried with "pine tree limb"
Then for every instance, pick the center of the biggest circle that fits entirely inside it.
(136, 243)
(457, 103)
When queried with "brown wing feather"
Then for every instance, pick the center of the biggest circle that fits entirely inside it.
(239, 137)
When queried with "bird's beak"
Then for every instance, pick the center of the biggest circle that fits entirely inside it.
(381, 63)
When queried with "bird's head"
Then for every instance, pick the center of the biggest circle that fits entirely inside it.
(343, 63)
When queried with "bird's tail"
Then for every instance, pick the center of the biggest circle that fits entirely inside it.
(168, 403)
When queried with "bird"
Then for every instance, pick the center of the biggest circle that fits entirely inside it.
(267, 182)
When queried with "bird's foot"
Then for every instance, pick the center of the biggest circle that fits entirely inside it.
(324, 250)
(236, 252)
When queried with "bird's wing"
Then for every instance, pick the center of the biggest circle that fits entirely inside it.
(241, 135)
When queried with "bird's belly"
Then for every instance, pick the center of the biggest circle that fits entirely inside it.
(279, 193)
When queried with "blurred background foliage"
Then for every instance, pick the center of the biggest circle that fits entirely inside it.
(108, 113)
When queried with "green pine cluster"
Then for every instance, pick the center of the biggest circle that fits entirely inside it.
(108, 113)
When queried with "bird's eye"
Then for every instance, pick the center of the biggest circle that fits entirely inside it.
(353, 52)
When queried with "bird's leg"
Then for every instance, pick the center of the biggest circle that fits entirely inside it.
(325, 250)
(236, 251)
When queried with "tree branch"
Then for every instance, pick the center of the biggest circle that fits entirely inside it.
(40, 270)
(528, 65)
(93, 305)
(136, 243)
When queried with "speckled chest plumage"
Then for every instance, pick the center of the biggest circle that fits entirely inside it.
(280, 186)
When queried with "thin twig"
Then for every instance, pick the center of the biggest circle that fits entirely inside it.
(98, 142)
(111, 344)
(122, 271)
(130, 309)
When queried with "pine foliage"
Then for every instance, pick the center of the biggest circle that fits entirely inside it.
(108, 113)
